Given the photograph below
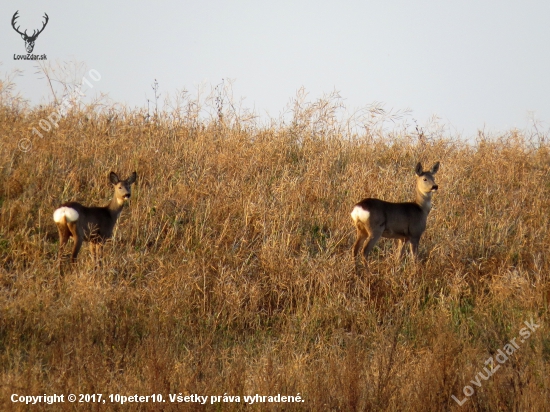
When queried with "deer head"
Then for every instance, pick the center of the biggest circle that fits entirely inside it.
(29, 40)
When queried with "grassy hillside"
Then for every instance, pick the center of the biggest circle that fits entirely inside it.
(230, 272)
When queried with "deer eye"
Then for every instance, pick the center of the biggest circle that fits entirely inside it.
(425, 179)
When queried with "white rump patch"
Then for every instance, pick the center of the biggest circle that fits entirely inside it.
(360, 214)
(65, 212)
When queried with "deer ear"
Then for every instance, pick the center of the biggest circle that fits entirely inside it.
(435, 168)
(418, 169)
(132, 178)
(113, 178)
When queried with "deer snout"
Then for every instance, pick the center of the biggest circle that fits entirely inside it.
(127, 196)
(434, 188)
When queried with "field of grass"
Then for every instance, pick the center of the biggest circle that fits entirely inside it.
(230, 272)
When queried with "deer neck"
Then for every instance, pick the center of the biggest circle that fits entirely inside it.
(424, 200)
(115, 207)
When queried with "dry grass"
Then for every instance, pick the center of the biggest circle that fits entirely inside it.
(231, 270)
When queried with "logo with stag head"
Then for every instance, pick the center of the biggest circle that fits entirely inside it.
(29, 40)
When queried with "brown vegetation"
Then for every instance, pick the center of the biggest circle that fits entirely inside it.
(232, 272)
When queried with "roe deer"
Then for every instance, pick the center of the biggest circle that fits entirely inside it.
(405, 222)
(92, 224)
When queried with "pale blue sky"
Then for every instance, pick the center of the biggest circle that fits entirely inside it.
(476, 64)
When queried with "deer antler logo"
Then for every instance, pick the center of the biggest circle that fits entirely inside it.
(29, 40)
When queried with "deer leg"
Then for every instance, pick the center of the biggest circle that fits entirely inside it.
(414, 248)
(64, 235)
(77, 238)
(76, 248)
(369, 245)
(402, 247)
(361, 236)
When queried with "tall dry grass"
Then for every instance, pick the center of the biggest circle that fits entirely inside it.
(231, 270)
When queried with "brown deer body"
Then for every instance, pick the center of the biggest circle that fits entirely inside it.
(92, 224)
(405, 222)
